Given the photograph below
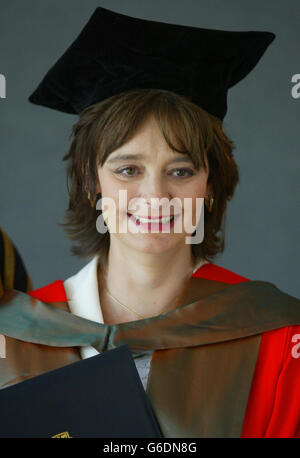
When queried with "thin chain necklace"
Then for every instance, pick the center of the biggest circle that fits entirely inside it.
(136, 313)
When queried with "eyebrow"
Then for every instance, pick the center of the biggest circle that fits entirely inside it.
(124, 157)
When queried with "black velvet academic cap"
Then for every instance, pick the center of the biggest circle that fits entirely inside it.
(116, 53)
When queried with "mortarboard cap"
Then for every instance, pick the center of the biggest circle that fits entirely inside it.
(116, 53)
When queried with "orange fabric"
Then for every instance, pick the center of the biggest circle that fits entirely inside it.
(273, 408)
(213, 272)
(274, 401)
(54, 292)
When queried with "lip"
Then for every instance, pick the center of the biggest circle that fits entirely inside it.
(147, 217)
(152, 225)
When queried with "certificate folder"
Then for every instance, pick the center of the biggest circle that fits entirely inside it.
(100, 396)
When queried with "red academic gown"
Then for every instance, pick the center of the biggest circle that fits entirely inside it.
(273, 408)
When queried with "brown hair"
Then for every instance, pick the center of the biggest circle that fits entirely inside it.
(107, 125)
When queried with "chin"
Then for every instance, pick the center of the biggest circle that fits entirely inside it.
(153, 243)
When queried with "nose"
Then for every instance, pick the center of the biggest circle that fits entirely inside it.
(154, 186)
(152, 189)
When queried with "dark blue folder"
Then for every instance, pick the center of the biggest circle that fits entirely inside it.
(101, 396)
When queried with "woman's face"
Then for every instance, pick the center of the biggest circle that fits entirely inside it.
(146, 168)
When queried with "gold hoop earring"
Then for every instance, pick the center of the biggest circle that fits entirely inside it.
(210, 205)
(92, 201)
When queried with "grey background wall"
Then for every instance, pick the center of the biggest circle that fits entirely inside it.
(262, 224)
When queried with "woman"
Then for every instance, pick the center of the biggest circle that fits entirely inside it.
(218, 355)
(158, 260)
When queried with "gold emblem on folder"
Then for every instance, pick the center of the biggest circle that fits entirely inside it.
(64, 434)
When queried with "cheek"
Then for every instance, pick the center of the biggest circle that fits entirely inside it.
(191, 194)
(199, 188)
(119, 198)
(193, 203)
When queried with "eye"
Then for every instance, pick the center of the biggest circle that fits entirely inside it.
(132, 171)
(122, 171)
(189, 173)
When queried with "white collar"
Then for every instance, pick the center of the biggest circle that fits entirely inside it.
(83, 293)
(83, 296)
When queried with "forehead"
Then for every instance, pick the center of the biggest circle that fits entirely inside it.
(146, 142)
(126, 156)
(147, 134)
(164, 139)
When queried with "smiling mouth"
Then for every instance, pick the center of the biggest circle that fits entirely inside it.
(145, 220)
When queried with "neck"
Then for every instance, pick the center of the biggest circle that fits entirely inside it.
(145, 282)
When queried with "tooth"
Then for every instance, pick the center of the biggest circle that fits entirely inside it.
(146, 220)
